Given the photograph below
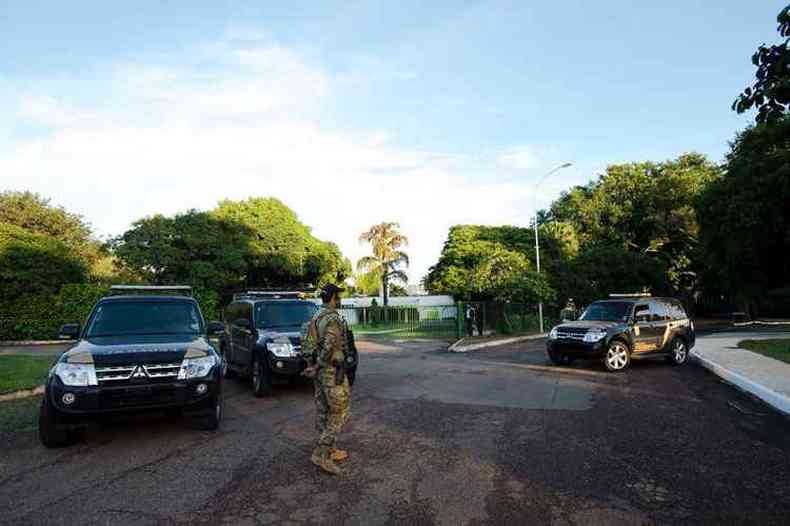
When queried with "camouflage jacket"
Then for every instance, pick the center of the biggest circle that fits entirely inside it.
(324, 339)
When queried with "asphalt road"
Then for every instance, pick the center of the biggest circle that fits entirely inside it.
(491, 437)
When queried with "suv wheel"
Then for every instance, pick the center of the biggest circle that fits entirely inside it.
(227, 372)
(560, 359)
(617, 357)
(261, 377)
(48, 432)
(212, 418)
(678, 352)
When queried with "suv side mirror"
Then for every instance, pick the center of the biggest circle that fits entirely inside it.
(215, 327)
(70, 331)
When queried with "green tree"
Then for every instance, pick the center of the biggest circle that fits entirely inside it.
(489, 263)
(745, 218)
(367, 283)
(193, 248)
(282, 250)
(257, 242)
(33, 263)
(36, 214)
(385, 241)
(648, 208)
(770, 92)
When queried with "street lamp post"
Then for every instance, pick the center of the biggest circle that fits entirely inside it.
(537, 240)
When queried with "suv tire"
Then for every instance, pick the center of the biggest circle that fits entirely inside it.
(211, 420)
(678, 352)
(48, 432)
(617, 357)
(560, 359)
(227, 372)
(261, 377)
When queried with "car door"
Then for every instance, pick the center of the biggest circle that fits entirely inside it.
(243, 337)
(660, 315)
(230, 317)
(644, 331)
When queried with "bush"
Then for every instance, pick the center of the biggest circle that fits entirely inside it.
(35, 263)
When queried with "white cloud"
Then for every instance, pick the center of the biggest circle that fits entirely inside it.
(171, 138)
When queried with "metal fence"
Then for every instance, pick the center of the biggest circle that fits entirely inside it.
(444, 321)
(490, 318)
(439, 321)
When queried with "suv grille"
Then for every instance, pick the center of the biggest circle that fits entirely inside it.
(570, 333)
(142, 396)
(118, 374)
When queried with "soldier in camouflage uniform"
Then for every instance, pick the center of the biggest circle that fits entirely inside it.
(325, 343)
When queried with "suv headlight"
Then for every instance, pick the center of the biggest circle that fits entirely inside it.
(553, 334)
(282, 349)
(76, 374)
(594, 336)
(196, 367)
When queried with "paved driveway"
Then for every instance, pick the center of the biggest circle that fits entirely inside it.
(491, 437)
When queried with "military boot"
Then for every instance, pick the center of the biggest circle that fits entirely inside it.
(338, 455)
(323, 461)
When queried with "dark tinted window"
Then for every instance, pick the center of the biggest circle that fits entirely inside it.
(642, 313)
(230, 312)
(607, 311)
(658, 311)
(118, 318)
(283, 314)
(675, 310)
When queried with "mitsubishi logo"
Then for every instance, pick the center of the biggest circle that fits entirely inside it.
(140, 372)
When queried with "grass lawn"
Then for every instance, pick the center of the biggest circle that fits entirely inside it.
(23, 371)
(778, 348)
(19, 415)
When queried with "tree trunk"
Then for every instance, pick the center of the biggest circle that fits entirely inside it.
(384, 291)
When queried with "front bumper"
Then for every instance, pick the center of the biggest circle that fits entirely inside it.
(285, 366)
(577, 348)
(100, 400)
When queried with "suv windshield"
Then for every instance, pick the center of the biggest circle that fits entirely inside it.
(118, 318)
(607, 311)
(283, 314)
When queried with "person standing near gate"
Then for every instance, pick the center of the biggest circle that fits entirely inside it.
(325, 343)
(469, 319)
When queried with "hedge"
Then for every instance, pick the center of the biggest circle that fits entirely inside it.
(40, 316)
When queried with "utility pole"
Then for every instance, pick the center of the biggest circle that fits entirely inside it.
(537, 239)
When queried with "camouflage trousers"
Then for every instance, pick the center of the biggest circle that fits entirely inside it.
(332, 408)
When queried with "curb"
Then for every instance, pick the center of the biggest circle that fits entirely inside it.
(22, 393)
(776, 400)
(21, 343)
(457, 347)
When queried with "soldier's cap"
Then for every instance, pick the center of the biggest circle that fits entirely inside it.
(329, 289)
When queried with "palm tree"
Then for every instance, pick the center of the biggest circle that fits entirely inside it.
(386, 241)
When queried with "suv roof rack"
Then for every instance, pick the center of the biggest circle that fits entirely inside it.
(632, 295)
(274, 294)
(116, 290)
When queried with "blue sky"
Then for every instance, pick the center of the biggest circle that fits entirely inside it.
(425, 114)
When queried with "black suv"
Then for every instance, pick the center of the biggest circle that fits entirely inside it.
(624, 327)
(263, 337)
(142, 348)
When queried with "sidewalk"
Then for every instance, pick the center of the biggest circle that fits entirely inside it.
(474, 344)
(764, 377)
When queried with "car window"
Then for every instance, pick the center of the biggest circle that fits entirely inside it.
(283, 314)
(658, 311)
(607, 311)
(229, 313)
(642, 313)
(676, 311)
(143, 317)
